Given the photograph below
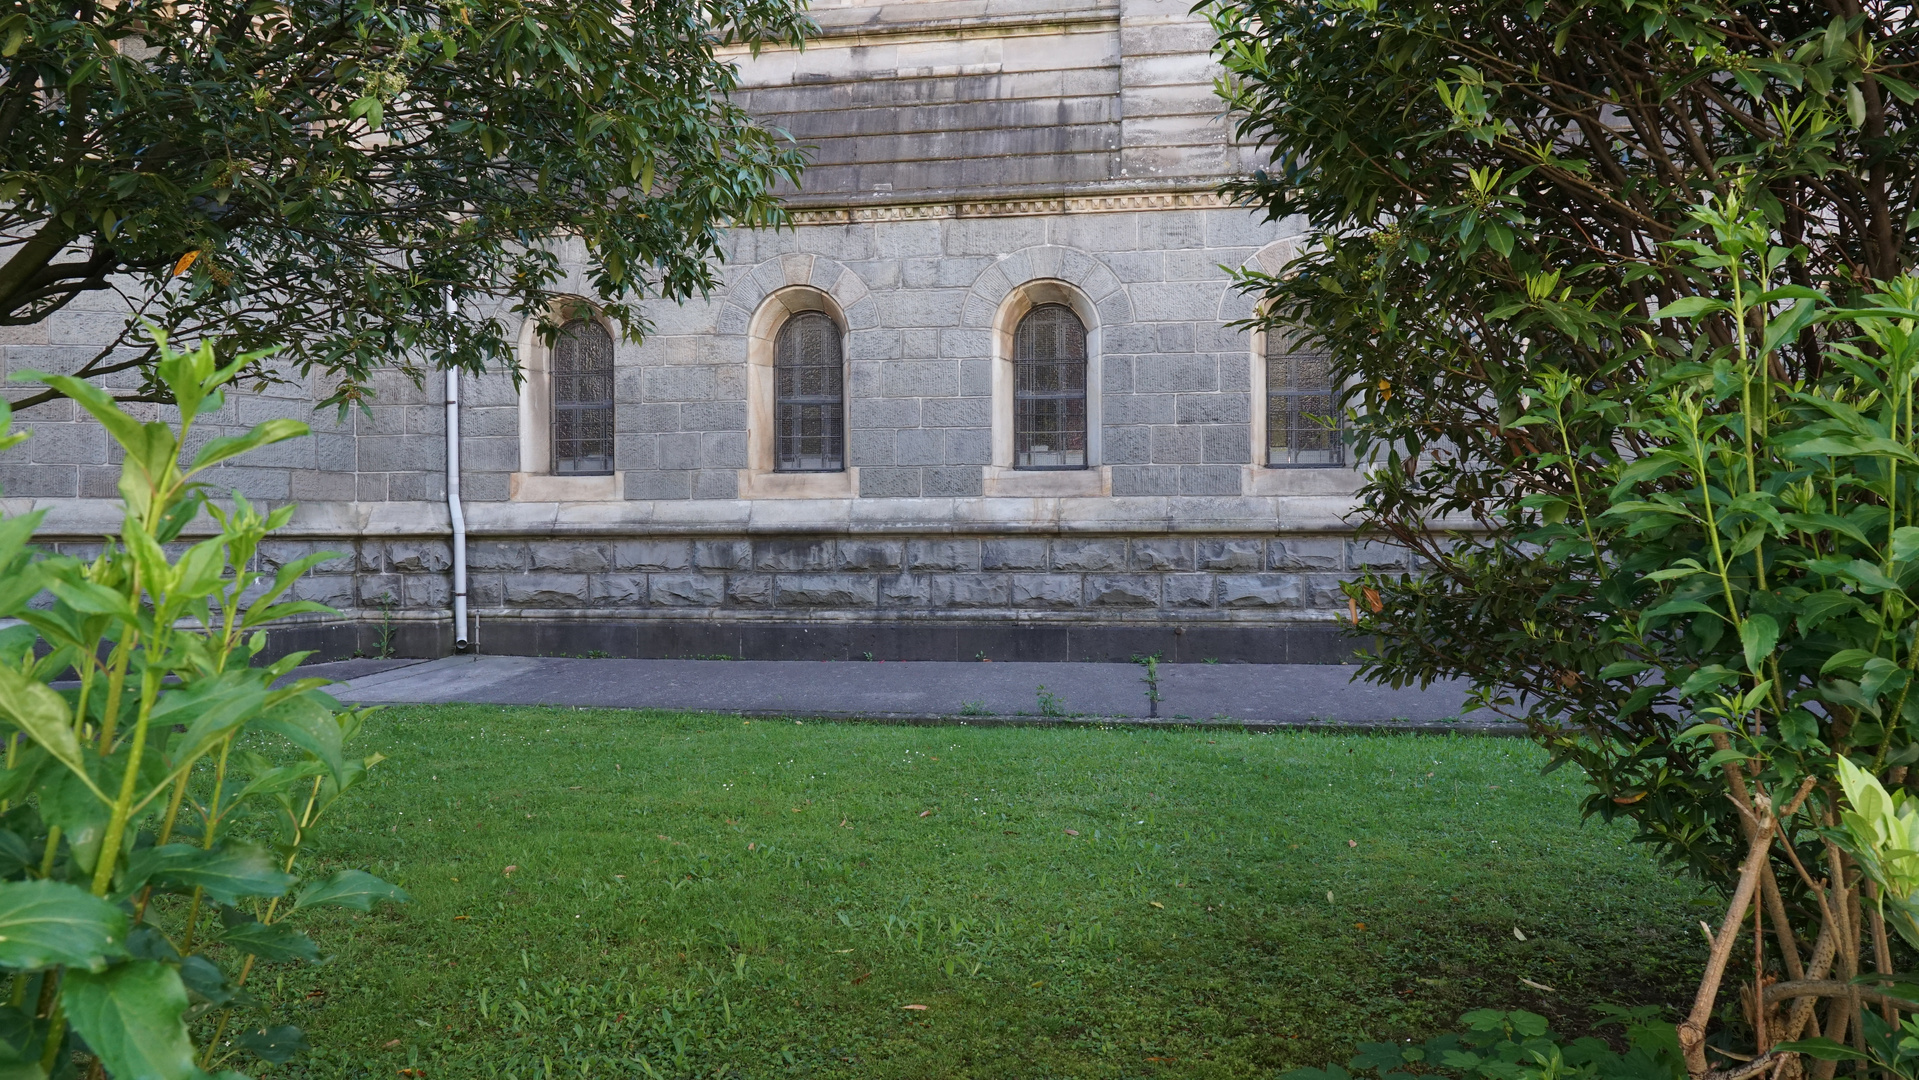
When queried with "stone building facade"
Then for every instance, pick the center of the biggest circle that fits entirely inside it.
(976, 162)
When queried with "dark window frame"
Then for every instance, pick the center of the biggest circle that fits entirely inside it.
(1051, 389)
(1295, 411)
(580, 386)
(809, 395)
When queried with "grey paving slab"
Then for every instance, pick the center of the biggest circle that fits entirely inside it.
(1284, 693)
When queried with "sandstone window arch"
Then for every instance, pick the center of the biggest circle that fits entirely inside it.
(568, 411)
(1042, 308)
(797, 376)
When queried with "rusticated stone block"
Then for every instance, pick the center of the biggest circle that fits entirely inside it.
(426, 591)
(790, 555)
(1122, 590)
(1230, 555)
(546, 590)
(571, 557)
(1259, 591)
(1188, 590)
(617, 590)
(870, 554)
(1162, 554)
(1013, 554)
(333, 590)
(1046, 590)
(943, 555)
(1089, 554)
(1304, 554)
(722, 554)
(684, 590)
(495, 555)
(905, 590)
(827, 590)
(972, 591)
(418, 556)
(750, 590)
(652, 555)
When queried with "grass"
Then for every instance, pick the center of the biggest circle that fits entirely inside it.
(701, 895)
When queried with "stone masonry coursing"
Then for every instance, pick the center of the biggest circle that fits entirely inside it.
(1175, 540)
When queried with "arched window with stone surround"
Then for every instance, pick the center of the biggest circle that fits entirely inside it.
(581, 375)
(1049, 389)
(809, 395)
(1302, 421)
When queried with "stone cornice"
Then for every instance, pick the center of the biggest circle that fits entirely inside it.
(1196, 198)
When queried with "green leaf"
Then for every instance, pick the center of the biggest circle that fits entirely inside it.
(204, 980)
(1690, 307)
(132, 1017)
(226, 873)
(1844, 658)
(1758, 636)
(308, 724)
(275, 941)
(1821, 1048)
(1623, 669)
(264, 434)
(43, 714)
(43, 923)
(354, 889)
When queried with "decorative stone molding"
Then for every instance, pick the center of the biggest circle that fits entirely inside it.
(1015, 207)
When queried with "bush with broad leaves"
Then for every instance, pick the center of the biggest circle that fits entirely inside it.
(158, 788)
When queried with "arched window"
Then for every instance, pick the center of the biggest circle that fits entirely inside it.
(582, 385)
(1049, 389)
(809, 395)
(1302, 423)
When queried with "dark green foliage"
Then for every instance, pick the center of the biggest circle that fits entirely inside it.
(321, 174)
(131, 817)
(1520, 1045)
(1506, 190)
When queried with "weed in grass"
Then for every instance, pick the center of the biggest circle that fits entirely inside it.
(672, 915)
(1050, 704)
(974, 708)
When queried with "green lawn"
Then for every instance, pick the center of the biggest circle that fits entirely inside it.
(698, 895)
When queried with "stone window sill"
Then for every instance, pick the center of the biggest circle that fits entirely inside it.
(542, 487)
(1003, 482)
(755, 484)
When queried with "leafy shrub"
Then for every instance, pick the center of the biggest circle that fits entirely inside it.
(1499, 1045)
(155, 802)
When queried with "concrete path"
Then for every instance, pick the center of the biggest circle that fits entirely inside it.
(1260, 694)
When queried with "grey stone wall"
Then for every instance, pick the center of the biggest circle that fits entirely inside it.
(970, 152)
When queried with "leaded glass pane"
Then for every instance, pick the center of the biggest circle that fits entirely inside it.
(809, 398)
(1302, 418)
(1049, 390)
(582, 382)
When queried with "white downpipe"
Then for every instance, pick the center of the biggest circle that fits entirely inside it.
(454, 510)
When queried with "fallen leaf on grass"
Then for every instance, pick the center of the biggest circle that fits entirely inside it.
(862, 977)
(841, 951)
(1072, 832)
(1359, 926)
(1352, 843)
(461, 918)
(1539, 986)
(926, 813)
(1518, 934)
(390, 1044)
(1157, 904)
(915, 1008)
